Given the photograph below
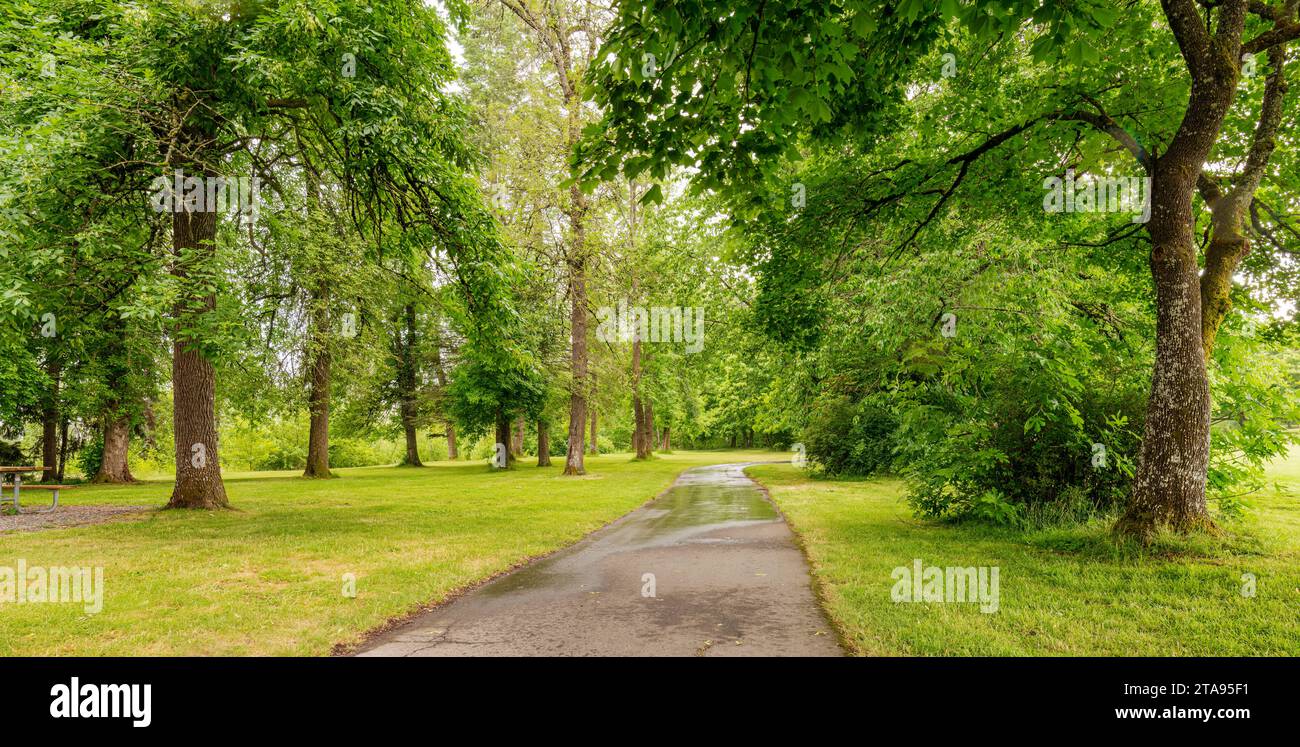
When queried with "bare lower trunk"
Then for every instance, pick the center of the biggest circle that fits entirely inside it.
(543, 444)
(573, 463)
(406, 381)
(198, 470)
(150, 425)
(452, 454)
(577, 214)
(113, 466)
(517, 438)
(1169, 488)
(649, 438)
(502, 445)
(412, 435)
(640, 444)
(318, 438)
(63, 450)
(666, 444)
(638, 429)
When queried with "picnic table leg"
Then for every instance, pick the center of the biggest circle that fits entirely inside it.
(18, 482)
(53, 506)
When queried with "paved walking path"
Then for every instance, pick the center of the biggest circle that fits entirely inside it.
(727, 579)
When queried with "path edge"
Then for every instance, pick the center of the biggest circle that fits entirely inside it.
(820, 586)
(369, 635)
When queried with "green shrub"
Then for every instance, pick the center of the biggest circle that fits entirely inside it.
(90, 457)
(844, 437)
(353, 452)
(282, 456)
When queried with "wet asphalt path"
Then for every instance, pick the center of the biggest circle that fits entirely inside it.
(728, 580)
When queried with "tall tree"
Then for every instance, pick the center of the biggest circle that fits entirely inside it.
(214, 83)
(567, 32)
(763, 91)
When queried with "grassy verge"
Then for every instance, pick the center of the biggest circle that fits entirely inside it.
(267, 578)
(1062, 592)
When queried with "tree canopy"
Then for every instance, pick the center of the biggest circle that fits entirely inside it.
(1036, 257)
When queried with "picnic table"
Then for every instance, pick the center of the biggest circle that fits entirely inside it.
(17, 472)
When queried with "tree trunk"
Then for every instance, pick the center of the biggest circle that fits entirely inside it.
(517, 439)
(667, 444)
(406, 376)
(1230, 212)
(543, 444)
(412, 435)
(50, 423)
(318, 439)
(150, 425)
(1169, 487)
(198, 469)
(640, 445)
(503, 439)
(63, 450)
(573, 463)
(113, 466)
(638, 428)
(649, 438)
(452, 454)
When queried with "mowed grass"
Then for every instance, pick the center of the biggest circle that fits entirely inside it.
(267, 577)
(1071, 592)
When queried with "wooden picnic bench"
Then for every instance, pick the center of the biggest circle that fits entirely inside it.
(18, 483)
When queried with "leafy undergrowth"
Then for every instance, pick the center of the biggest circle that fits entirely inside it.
(268, 577)
(1070, 591)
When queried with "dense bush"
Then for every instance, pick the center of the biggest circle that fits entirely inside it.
(354, 452)
(844, 437)
(984, 430)
(1000, 431)
(1029, 407)
(11, 454)
(90, 457)
(284, 456)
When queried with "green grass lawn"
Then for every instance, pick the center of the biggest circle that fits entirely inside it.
(1062, 592)
(267, 578)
